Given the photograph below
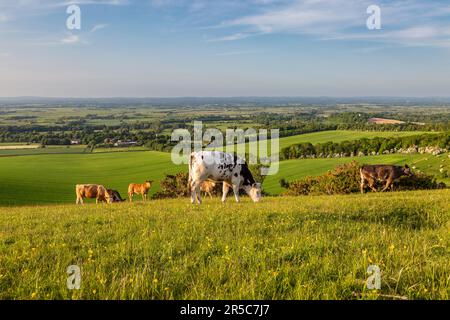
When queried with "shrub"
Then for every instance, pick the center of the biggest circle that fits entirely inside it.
(173, 186)
(345, 179)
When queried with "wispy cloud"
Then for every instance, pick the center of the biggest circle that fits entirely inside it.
(71, 39)
(3, 17)
(235, 53)
(98, 27)
(345, 20)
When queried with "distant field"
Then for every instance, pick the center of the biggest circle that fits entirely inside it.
(52, 178)
(342, 135)
(336, 136)
(38, 179)
(15, 146)
(77, 149)
(280, 248)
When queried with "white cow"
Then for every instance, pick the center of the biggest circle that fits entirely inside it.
(219, 166)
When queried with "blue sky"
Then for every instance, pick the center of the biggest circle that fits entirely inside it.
(156, 48)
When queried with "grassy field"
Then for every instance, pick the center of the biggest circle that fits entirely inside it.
(281, 248)
(342, 135)
(327, 136)
(40, 179)
(298, 169)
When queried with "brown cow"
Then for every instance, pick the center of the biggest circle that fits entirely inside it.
(135, 188)
(382, 173)
(92, 191)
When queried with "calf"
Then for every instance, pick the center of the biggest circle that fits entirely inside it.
(208, 187)
(135, 188)
(383, 173)
(92, 191)
(221, 167)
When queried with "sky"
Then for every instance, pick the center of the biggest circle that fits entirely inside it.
(177, 48)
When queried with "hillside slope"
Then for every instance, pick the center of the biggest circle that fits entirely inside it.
(281, 248)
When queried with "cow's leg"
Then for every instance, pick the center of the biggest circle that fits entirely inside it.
(236, 192)
(196, 194)
(372, 185)
(363, 184)
(225, 189)
(193, 195)
(388, 184)
(210, 195)
(143, 196)
(130, 196)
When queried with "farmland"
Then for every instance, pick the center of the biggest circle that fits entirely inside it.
(40, 179)
(305, 247)
(282, 248)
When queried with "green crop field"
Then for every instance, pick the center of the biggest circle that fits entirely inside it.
(280, 248)
(331, 136)
(342, 135)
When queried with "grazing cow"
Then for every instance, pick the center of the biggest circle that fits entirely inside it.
(92, 191)
(115, 195)
(219, 166)
(208, 187)
(383, 173)
(135, 188)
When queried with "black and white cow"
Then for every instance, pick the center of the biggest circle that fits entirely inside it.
(220, 166)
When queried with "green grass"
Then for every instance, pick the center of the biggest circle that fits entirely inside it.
(40, 179)
(298, 169)
(281, 248)
(52, 178)
(335, 136)
(342, 135)
(76, 149)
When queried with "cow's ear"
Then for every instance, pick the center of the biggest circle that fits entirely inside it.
(406, 166)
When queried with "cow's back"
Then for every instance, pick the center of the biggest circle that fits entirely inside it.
(214, 165)
(380, 172)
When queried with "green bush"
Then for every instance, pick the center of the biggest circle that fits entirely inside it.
(346, 179)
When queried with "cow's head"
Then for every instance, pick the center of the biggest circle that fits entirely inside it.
(407, 171)
(109, 196)
(254, 191)
(148, 183)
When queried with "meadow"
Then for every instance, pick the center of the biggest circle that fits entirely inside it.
(316, 247)
(335, 136)
(45, 179)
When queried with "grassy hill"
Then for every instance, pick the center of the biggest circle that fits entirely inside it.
(298, 169)
(342, 135)
(336, 136)
(44, 179)
(281, 248)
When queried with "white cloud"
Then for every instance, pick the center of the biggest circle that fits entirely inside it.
(3, 17)
(98, 27)
(405, 22)
(234, 53)
(71, 39)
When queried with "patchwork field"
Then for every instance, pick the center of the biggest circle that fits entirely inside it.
(281, 248)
